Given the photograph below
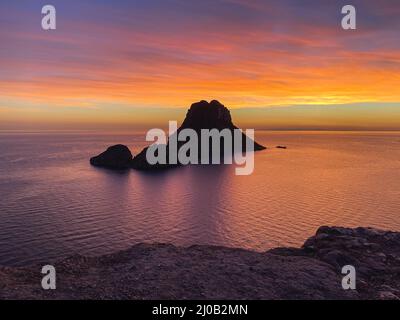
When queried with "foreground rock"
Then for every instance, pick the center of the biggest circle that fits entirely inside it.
(201, 115)
(374, 253)
(161, 271)
(115, 157)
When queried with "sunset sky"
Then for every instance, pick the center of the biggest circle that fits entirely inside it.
(284, 64)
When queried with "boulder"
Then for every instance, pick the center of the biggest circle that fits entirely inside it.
(115, 157)
(369, 250)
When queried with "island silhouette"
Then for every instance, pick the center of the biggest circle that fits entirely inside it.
(201, 115)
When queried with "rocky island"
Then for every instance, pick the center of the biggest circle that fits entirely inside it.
(201, 115)
(164, 271)
(115, 157)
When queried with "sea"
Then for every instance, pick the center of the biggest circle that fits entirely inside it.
(54, 204)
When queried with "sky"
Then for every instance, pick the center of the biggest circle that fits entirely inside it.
(119, 64)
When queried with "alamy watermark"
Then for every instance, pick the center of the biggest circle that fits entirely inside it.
(49, 17)
(49, 280)
(187, 146)
(349, 21)
(349, 280)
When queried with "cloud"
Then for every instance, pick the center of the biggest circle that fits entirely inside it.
(170, 53)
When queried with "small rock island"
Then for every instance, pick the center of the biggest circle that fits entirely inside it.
(115, 157)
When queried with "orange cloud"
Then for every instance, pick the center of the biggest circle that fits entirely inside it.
(253, 62)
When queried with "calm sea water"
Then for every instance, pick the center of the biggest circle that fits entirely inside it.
(54, 204)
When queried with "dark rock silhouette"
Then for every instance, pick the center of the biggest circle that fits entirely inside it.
(204, 115)
(213, 115)
(115, 157)
(139, 162)
(201, 115)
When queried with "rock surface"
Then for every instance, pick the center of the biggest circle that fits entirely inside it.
(115, 157)
(374, 253)
(160, 271)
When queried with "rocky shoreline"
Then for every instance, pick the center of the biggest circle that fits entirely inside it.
(163, 271)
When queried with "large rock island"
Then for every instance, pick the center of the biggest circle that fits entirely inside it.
(201, 115)
(163, 271)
